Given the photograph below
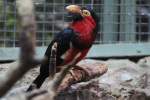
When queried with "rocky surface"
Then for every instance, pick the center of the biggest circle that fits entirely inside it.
(124, 80)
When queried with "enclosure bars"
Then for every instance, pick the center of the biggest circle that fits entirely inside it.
(119, 21)
(127, 21)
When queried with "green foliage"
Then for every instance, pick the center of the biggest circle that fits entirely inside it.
(1, 3)
(87, 1)
(48, 38)
(7, 22)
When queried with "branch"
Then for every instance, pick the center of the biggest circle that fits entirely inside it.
(52, 64)
(82, 72)
(27, 51)
(53, 84)
(57, 80)
(60, 76)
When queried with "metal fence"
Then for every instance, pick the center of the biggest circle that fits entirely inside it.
(121, 21)
(49, 19)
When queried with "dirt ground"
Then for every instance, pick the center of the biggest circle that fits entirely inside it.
(123, 78)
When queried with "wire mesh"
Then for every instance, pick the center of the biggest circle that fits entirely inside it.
(125, 21)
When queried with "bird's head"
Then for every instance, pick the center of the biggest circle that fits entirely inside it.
(77, 13)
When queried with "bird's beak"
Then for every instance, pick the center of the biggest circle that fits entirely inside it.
(73, 13)
(73, 9)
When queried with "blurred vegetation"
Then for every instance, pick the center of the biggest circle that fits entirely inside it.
(1, 22)
(7, 23)
(1, 2)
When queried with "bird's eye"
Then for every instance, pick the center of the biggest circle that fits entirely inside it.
(86, 13)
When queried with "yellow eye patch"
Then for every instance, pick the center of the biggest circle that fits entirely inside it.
(86, 13)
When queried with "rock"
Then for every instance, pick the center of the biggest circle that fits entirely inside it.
(124, 80)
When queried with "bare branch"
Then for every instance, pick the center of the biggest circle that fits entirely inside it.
(27, 51)
(52, 64)
(55, 83)
(83, 72)
(35, 93)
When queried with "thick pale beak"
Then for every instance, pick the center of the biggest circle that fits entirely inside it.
(73, 9)
(73, 13)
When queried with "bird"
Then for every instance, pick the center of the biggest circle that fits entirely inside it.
(78, 37)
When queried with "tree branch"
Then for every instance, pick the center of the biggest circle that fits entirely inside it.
(56, 81)
(27, 43)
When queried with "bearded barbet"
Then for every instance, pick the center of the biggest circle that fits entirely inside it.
(77, 37)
